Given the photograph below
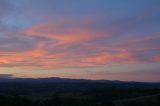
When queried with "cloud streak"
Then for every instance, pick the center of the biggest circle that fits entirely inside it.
(6, 75)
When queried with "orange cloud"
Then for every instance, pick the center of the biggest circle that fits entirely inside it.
(111, 58)
(63, 33)
(70, 45)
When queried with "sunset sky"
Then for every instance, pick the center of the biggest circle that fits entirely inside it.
(88, 39)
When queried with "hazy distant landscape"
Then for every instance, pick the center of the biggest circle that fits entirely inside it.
(72, 92)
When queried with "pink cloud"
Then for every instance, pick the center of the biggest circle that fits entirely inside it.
(74, 44)
(66, 32)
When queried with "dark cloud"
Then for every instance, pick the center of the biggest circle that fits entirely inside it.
(11, 40)
(6, 75)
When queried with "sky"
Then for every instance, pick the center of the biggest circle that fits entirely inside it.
(82, 39)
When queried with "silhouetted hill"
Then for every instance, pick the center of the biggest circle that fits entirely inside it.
(53, 79)
(153, 100)
(109, 83)
(70, 92)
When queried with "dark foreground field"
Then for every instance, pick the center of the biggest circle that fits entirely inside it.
(70, 92)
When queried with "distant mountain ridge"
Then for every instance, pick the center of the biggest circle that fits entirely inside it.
(109, 83)
(53, 79)
(58, 79)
